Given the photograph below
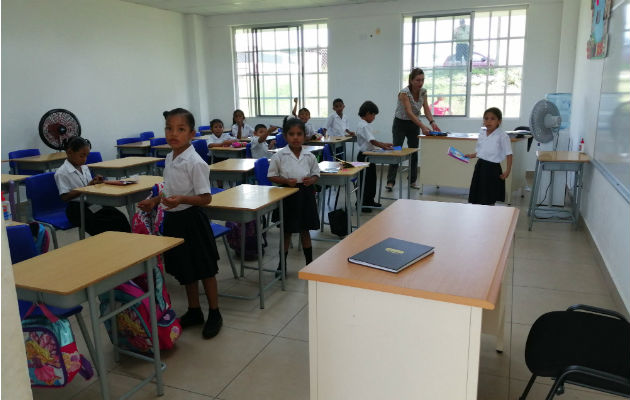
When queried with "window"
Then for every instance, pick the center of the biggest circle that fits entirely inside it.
(471, 61)
(276, 64)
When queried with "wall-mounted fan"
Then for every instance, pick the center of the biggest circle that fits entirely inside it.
(545, 121)
(58, 125)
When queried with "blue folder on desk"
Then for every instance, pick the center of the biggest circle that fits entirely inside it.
(396, 148)
(392, 255)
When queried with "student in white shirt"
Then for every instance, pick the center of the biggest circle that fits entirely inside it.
(217, 137)
(259, 146)
(337, 123)
(240, 130)
(186, 189)
(73, 174)
(367, 142)
(493, 145)
(293, 166)
(304, 115)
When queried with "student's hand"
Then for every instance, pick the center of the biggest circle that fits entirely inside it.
(171, 202)
(309, 180)
(295, 100)
(272, 128)
(97, 179)
(470, 155)
(424, 129)
(147, 205)
(350, 133)
(388, 146)
(272, 144)
(504, 175)
(292, 182)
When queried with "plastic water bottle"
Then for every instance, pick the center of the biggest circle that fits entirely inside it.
(6, 208)
(581, 146)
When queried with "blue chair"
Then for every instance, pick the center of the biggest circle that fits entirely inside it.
(327, 153)
(197, 134)
(280, 141)
(203, 128)
(47, 207)
(22, 247)
(220, 231)
(147, 135)
(125, 141)
(22, 154)
(157, 142)
(261, 167)
(248, 150)
(201, 147)
(94, 157)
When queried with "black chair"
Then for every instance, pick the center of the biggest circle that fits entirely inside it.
(585, 346)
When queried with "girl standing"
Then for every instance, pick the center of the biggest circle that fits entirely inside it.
(493, 145)
(292, 166)
(186, 188)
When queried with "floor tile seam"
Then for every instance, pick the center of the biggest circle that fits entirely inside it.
(520, 258)
(568, 291)
(569, 386)
(557, 259)
(127, 375)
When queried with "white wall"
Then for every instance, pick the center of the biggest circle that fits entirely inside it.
(362, 68)
(605, 212)
(115, 65)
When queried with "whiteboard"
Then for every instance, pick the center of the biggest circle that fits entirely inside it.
(612, 141)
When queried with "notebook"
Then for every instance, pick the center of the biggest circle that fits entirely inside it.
(392, 255)
(458, 155)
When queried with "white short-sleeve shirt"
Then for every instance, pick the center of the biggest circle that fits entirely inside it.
(494, 147)
(364, 135)
(259, 150)
(67, 178)
(285, 164)
(309, 130)
(214, 139)
(186, 175)
(336, 125)
(246, 131)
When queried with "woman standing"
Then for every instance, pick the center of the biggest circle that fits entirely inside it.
(407, 123)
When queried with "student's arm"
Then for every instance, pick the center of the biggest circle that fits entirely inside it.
(197, 200)
(201, 186)
(279, 180)
(382, 145)
(273, 174)
(471, 155)
(429, 116)
(314, 173)
(508, 168)
(294, 111)
(70, 195)
(147, 205)
(350, 133)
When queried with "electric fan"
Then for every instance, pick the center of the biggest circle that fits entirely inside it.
(545, 121)
(58, 125)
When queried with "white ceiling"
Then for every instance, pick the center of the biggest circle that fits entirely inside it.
(215, 7)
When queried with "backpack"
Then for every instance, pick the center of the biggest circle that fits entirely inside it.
(338, 220)
(51, 351)
(251, 242)
(41, 237)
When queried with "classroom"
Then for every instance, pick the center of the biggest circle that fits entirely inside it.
(117, 65)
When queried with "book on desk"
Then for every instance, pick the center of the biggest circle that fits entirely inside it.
(392, 255)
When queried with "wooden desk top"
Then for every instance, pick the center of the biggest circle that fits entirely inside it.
(42, 158)
(234, 165)
(330, 139)
(392, 153)
(125, 162)
(78, 265)
(135, 145)
(249, 197)
(463, 136)
(304, 147)
(472, 243)
(11, 222)
(343, 172)
(562, 156)
(164, 146)
(145, 182)
(6, 178)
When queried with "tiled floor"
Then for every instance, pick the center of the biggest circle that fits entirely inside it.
(263, 354)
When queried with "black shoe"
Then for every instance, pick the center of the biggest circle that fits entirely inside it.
(213, 325)
(366, 210)
(194, 316)
(377, 205)
(389, 188)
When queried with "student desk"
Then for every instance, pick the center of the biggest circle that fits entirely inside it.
(161, 150)
(44, 162)
(116, 196)
(232, 170)
(124, 166)
(142, 148)
(342, 178)
(391, 157)
(334, 142)
(558, 161)
(227, 152)
(416, 334)
(79, 272)
(8, 185)
(438, 169)
(245, 203)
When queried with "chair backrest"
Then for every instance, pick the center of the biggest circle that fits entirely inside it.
(43, 194)
(197, 134)
(327, 153)
(248, 150)
(127, 140)
(201, 147)
(94, 157)
(522, 128)
(21, 244)
(203, 128)
(280, 141)
(22, 154)
(157, 141)
(147, 135)
(261, 167)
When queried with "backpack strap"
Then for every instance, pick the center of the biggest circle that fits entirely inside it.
(51, 317)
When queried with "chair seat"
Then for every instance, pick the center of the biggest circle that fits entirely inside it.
(160, 164)
(219, 230)
(59, 312)
(56, 218)
(560, 339)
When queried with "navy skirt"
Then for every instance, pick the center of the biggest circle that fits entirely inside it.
(486, 186)
(197, 257)
(299, 210)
